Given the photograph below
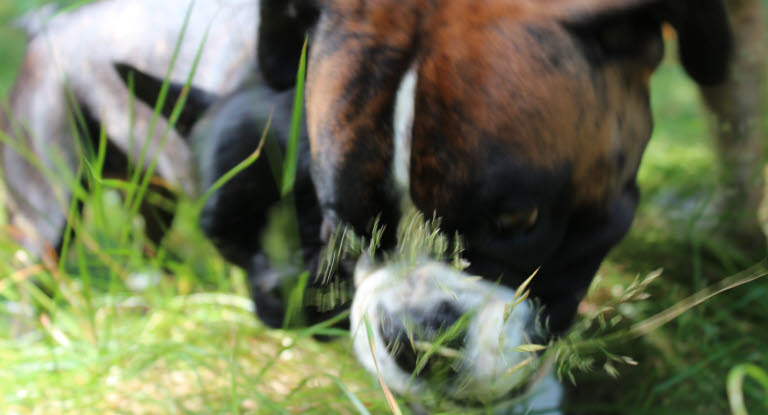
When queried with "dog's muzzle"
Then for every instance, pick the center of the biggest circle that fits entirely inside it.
(431, 331)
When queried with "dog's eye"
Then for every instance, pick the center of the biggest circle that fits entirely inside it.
(517, 221)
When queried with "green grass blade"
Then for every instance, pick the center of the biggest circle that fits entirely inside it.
(177, 109)
(134, 197)
(387, 392)
(226, 177)
(350, 395)
(292, 151)
(234, 369)
(326, 326)
(71, 7)
(754, 273)
(736, 381)
(293, 314)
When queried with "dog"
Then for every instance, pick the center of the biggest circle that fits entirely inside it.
(68, 68)
(520, 123)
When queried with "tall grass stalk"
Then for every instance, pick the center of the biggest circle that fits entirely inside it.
(736, 378)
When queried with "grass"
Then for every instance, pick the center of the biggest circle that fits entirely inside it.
(186, 341)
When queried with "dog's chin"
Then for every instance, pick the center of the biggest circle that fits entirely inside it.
(487, 366)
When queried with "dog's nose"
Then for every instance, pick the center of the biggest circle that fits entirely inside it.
(425, 342)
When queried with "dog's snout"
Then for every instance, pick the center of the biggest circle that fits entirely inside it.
(425, 342)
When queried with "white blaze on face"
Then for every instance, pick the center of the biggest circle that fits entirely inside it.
(487, 367)
(405, 107)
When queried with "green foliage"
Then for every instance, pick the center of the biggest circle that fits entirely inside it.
(292, 152)
(123, 325)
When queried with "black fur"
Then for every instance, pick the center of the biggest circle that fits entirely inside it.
(236, 215)
(706, 40)
(284, 26)
(703, 30)
(147, 88)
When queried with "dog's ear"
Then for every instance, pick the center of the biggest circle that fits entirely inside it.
(706, 40)
(284, 26)
(702, 26)
(146, 88)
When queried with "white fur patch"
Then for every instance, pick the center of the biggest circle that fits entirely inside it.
(405, 106)
(489, 367)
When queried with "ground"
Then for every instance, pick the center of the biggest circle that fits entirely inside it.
(188, 342)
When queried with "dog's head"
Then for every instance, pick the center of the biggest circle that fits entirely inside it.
(526, 119)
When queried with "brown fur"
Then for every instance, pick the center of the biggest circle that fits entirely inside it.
(361, 51)
(493, 80)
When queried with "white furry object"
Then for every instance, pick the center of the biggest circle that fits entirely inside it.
(490, 369)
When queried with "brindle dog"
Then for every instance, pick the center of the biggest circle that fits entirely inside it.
(520, 123)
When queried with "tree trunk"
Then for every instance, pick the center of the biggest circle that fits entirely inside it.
(739, 109)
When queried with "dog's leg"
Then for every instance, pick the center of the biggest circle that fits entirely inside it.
(135, 137)
(236, 215)
(739, 107)
(146, 88)
(38, 159)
